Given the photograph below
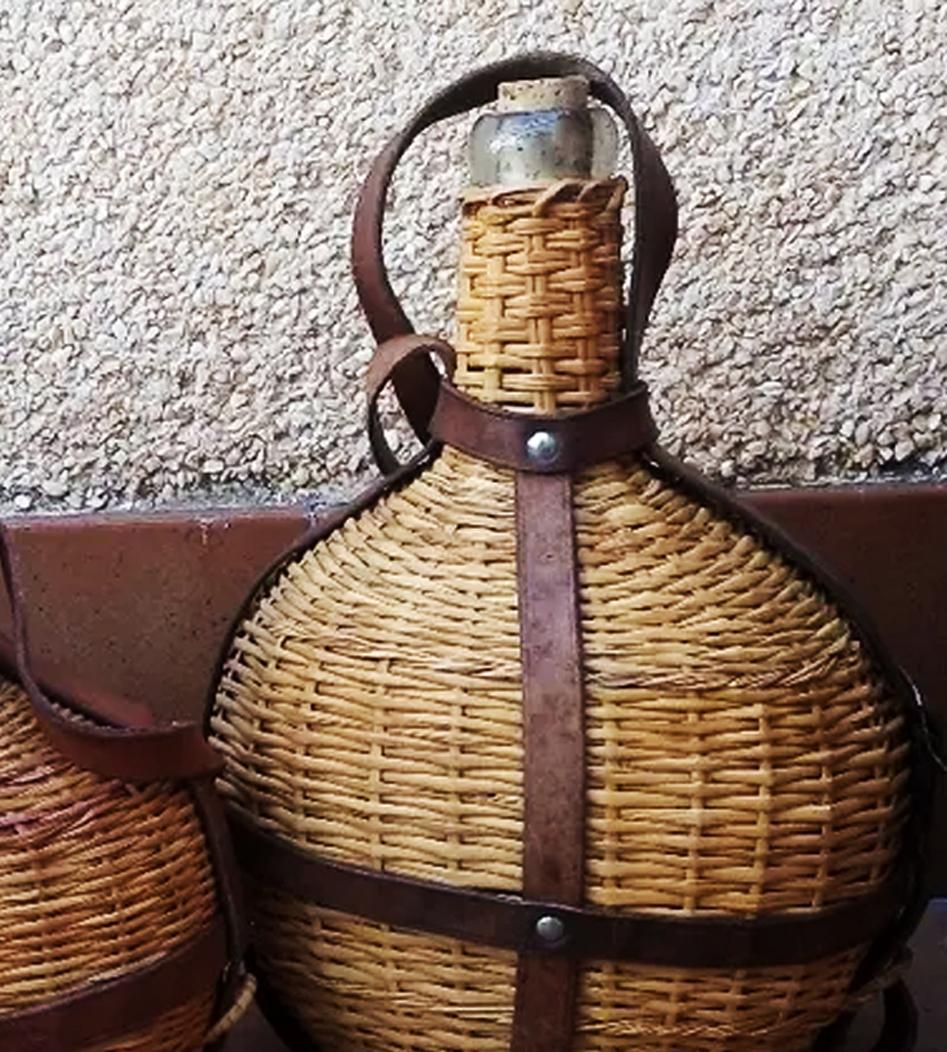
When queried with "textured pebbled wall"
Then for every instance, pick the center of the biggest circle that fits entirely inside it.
(177, 323)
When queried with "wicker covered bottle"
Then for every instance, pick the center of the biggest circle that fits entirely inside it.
(543, 744)
(121, 926)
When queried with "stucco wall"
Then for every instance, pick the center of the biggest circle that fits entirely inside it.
(177, 323)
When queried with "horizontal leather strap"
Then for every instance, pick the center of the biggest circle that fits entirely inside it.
(107, 1010)
(540, 444)
(544, 444)
(507, 922)
(128, 742)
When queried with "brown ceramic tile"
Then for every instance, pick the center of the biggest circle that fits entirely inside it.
(141, 605)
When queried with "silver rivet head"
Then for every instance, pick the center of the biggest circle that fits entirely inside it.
(542, 447)
(550, 929)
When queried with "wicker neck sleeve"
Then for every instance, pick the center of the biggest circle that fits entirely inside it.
(539, 298)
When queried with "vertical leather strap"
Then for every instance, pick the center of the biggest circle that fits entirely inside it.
(554, 752)
(230, 897)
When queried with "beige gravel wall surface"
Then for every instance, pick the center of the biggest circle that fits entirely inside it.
(177, 323)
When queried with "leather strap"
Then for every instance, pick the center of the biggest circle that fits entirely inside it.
(106, 1010)
(553, 752)
(898, 1032)
(905, 914)
(393, 355)
(509, 922)
(416, 380)
(111, 747)
(282, 1018)
(575, 441)
(230, 899)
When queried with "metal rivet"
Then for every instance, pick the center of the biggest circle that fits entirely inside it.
(550, 929)
(542, 447)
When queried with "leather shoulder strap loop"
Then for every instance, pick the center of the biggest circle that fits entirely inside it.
(115, 739)
(655, 217)
(389, 357)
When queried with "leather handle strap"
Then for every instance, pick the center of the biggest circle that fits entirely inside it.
(899, 1030)
(130, 745)
(400, 352)
(415, 379)
(230, 898)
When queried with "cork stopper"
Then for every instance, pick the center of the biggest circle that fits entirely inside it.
(550, 93)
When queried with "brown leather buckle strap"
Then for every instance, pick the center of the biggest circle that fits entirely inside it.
(553, 752)
(509, 922)
(542, 444)
(655, 221)
(107, 1010)
(136, 749)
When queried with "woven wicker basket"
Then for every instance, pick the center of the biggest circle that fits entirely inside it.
(116, 933)
(746, 749)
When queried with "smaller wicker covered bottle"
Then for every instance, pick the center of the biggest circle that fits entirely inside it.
(545, 745)
(120, 922)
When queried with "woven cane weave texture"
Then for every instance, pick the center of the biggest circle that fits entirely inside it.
(371, 711)
(97, 879)
(362, 986)
(742, 755)
(538, 303)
